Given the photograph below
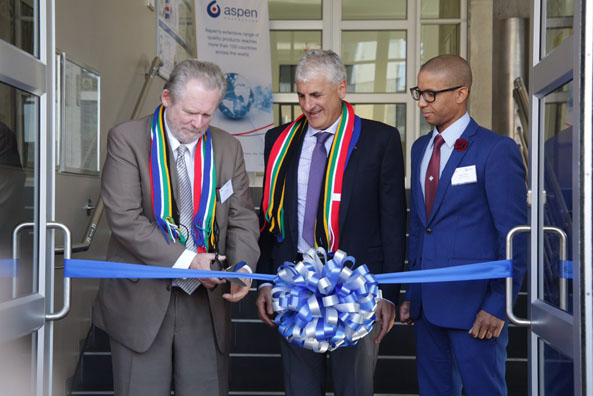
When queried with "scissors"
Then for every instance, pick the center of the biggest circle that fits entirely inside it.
(217, 266)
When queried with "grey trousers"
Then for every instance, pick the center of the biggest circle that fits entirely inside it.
(352, 368)
(184, 353)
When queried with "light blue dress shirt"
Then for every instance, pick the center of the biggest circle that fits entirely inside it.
(450, 135)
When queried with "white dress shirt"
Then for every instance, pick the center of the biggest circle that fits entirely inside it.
(450, 135)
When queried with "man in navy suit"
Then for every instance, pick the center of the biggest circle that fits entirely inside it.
(467, 191)
(371, 223)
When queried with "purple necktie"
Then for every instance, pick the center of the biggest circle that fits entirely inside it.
(432, 174)
(318, 161)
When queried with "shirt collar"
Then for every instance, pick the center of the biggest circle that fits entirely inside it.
(453, 131)
(332, 129)
(174, 143)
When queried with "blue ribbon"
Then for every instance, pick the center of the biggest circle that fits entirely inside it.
(321, 305)
(486, 270)
(74, 268)
(566, 269)
(8, 268)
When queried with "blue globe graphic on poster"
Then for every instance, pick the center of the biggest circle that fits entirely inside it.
(238, 98)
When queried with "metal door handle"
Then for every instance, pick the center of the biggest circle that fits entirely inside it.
(563, 282)
(67, 284)
(509, 280)
(15, 251)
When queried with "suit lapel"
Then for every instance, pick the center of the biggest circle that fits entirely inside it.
(452, 163)
(421, 206)
(291, 194)
(174, 181)
(350, 180)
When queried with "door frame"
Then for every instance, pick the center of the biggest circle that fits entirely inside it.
(36, 75)
(570, 334)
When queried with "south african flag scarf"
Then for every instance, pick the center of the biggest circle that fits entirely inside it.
(204, 200)
(284, 149)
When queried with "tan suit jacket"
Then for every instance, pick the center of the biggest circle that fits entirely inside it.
(131, 310)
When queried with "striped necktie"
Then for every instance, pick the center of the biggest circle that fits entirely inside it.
(186, 216)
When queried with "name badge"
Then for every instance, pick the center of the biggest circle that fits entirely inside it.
(464, 175)
(226, 191)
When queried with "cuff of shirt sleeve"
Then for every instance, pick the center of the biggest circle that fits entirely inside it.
(264, 284)
(248, 268)
(184, 261)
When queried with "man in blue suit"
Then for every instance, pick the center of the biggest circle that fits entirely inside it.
(467, 191)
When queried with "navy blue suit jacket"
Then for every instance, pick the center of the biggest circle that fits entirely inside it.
(372, 217)
(468, 224)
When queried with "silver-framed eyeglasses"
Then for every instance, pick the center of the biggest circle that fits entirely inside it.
(429, 96)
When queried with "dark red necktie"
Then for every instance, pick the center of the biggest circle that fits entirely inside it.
(431, 182)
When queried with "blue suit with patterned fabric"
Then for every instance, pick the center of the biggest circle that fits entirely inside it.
(468, 223)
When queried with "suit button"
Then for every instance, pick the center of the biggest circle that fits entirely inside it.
(168, 287)
(428, 230)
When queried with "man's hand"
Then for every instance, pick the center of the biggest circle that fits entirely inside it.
(385, 313)
(486, 325)
(404, 313)
(202, 261)
(264, 305)
(238, 291)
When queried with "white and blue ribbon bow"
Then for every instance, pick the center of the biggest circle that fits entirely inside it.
(324, 305)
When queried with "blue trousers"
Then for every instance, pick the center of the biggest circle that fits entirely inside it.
(449, 359)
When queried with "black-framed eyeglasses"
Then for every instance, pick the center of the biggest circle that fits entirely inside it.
(429, 96)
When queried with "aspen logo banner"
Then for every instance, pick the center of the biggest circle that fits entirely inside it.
(235, 35)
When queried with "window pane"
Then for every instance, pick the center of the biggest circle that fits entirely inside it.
(558, 23)
(295, 9)
(390, 114)
(442, 9)
(557, 138)
(18, 24)
(285, 113)
(19, 131)
(378, 9)
(438, 40)
(80, 148)
(287, 48)
(375, 60)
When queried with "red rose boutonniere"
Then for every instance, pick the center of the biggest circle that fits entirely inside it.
(460, 145)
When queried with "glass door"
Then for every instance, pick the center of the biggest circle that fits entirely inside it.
(26, 191)
(560, 215)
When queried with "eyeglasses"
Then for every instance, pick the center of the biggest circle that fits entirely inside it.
(429, 96)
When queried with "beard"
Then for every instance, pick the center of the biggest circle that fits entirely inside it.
(186, 136)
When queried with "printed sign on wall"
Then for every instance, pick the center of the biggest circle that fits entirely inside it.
(235, 35)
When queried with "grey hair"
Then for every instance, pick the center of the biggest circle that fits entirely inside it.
(321, 61)
(207, 73)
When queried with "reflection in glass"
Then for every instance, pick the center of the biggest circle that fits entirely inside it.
(440, 9)
(18, 24)
(19, 129)
(558, 170)
(557, 371)
(558, 24)
(294, 9)
(438, 40)
(287, 48)
(375, 60)
(378, 9)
